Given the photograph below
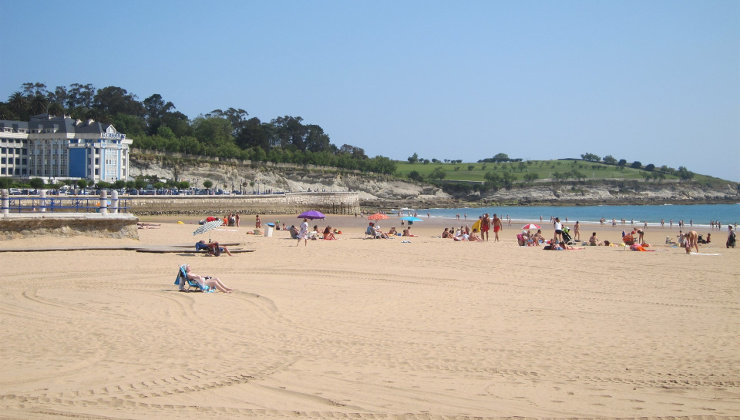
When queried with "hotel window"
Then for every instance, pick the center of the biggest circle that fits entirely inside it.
(2, 171)
(2, 160)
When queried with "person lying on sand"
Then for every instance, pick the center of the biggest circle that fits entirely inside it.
(209, 281)
(212, 248)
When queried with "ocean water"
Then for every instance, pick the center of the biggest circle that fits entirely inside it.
(700, 215)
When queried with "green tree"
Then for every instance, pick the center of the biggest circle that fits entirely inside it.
(530, 176)
(82, 183)
(416, 176)
(113, 100)
(438, 173)
(207, 184)
(590, 157)
(36, 183)
(18, 103)
(6, 182)
(131, 125)
(213, 132)
(684, 173)
(413, 158)
(39, 104)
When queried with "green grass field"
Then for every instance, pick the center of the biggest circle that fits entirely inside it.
(543, 169)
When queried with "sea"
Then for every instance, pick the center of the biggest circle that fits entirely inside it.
(697, 215)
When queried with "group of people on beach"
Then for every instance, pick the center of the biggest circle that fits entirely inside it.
(374, 230)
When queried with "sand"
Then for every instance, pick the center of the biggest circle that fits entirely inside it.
(359, 328)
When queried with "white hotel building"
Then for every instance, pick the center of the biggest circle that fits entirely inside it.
(54, 148)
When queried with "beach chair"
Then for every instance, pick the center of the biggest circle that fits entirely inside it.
(187, 284)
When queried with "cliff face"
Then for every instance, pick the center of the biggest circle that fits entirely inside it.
(616, 192)
(377, 191)
(374, 190)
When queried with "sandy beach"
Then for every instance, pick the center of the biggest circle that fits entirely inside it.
(419, 327)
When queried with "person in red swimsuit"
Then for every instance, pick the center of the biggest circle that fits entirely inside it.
(497, 226)
(485, 226)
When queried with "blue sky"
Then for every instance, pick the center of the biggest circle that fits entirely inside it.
(653, 81)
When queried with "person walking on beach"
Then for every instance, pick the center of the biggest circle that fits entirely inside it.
(577, 231)
(497, 226)
(730, 237)
(485, 226)
(303, 233)
(257, 222)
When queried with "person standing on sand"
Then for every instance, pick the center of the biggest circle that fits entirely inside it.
(577, 231)
(730, 237)
(497, 226)
(558, 230)
(485, 226)
(257, 222)
(303, 233)
(691, 241)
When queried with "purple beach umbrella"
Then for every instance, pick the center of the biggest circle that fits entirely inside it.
(311, 214)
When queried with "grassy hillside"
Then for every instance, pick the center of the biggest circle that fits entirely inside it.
(539, 170)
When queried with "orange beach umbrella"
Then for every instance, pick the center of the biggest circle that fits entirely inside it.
(377, 216)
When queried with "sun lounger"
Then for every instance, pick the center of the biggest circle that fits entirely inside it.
(187, 284)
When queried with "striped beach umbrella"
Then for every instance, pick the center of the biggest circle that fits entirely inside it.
(205, 227)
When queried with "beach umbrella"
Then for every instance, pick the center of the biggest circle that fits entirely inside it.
(377, 216)
(412, 219)
(205, 227)
(311, 214)
(529, 226)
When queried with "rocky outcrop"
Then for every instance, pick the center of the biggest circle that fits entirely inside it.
(382, 192)
(373, 190)
(616, 192)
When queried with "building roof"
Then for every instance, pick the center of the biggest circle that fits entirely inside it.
(16, 125)
(67, 125)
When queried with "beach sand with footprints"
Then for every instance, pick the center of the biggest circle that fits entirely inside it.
(409, 328)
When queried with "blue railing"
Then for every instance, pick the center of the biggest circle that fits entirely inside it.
(67, 204)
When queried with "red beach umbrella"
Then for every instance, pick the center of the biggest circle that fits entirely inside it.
(377, 216)
(529, 226)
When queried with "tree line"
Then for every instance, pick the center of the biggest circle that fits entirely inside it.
(155, 124)
(681, 172)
